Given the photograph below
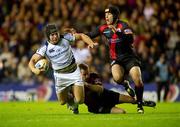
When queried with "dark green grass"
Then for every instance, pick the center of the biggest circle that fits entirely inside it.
(51, 114)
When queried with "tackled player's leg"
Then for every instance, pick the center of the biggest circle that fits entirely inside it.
(62, 96)
(78, 92)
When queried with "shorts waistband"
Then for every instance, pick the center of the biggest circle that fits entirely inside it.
(69, 69)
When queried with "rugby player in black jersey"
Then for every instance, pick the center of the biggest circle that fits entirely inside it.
(124, 59)
(101, 100)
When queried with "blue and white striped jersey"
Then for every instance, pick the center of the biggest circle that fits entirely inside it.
(60, 55)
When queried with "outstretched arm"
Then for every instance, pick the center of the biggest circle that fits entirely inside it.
(94, 33)
(86, 39)
(126, 99)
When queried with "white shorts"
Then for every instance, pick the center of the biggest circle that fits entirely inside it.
(64, 80)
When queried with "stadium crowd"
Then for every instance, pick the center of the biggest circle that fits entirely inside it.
(155, 23)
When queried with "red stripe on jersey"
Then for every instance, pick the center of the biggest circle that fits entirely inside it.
(102, 28)
(119, 26)
(113, 47)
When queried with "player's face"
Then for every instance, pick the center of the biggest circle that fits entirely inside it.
(84, 74)
(54, 38)
(108, 17)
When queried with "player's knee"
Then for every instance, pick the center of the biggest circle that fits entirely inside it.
(118, 79)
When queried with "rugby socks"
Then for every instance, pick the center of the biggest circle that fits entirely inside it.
(139, 94)
(76, 105)
(72, 104)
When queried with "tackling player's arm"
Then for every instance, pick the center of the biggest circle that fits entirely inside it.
(36, 57)
(86, 39)
(96, 32)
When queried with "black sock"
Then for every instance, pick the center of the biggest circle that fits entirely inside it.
(139, 94)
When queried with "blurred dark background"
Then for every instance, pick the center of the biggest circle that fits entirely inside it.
(156, 24)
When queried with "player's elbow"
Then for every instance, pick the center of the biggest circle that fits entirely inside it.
(30, 64)
(128, 38)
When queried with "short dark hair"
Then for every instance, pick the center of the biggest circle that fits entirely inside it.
(49, 29)
(114, 10)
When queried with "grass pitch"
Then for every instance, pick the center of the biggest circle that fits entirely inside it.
(51, 114)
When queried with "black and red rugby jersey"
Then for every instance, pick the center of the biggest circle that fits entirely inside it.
(120, 42)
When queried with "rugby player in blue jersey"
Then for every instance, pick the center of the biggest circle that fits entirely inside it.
(58, 51)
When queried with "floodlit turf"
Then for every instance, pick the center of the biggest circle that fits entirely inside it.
(51, 114)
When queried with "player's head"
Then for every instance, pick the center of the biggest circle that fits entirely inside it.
(84, 69)
(94, 79)
(111, 14)
(52, 33)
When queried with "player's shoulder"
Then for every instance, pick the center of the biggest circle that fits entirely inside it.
(124, 23)
(43, 48)
(44, 44)
(102, 27)
(68, 36)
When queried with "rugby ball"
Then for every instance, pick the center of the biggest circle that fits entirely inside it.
(42, 64)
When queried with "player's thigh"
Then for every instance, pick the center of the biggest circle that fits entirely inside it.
(78, 91)
(117, 72)
(62, 96)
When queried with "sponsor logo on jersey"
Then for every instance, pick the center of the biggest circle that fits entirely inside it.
(106, 32)
(51, 50)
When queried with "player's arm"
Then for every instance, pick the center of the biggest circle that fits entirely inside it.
(94, 33)
(36, 57)
(85, 38)
(94, 87)
(128, 35)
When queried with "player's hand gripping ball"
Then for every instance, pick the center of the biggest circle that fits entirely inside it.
(42, 64)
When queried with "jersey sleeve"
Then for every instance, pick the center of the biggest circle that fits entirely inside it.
(127, 34)
(42, 50)
(94, 33)
(70, 37)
